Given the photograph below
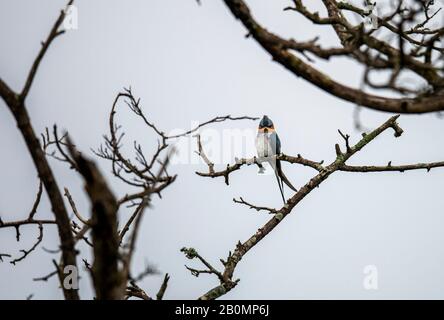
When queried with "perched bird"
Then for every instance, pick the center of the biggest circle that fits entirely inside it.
(268, 145)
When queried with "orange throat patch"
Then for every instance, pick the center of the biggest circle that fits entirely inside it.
(269, 129)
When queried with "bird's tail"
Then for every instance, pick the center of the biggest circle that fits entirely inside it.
(282, 176)
(281, 189)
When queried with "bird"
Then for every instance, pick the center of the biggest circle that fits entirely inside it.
(268, 145)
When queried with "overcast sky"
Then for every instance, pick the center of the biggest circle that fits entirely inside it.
(189, 63)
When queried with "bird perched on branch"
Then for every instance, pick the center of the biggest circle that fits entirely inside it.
(268, 145)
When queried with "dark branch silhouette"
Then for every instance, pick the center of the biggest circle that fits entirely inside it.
(414, 48)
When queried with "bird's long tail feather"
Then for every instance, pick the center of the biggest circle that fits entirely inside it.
(280, 186)
(283, 177)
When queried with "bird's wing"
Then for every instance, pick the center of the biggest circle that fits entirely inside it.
(275, 143)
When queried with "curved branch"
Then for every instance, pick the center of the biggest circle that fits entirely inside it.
(27, 252)
(108, 279)
(275, 45)
(54, 33)
(16, 104)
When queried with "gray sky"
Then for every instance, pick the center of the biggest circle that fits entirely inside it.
(191, 63)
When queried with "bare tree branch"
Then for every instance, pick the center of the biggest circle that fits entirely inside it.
(359, 45)
(16, 104)
(163, 287)
(74, 208)
(54, 33)
(108, 280)
(27, 252)
(252, 206)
